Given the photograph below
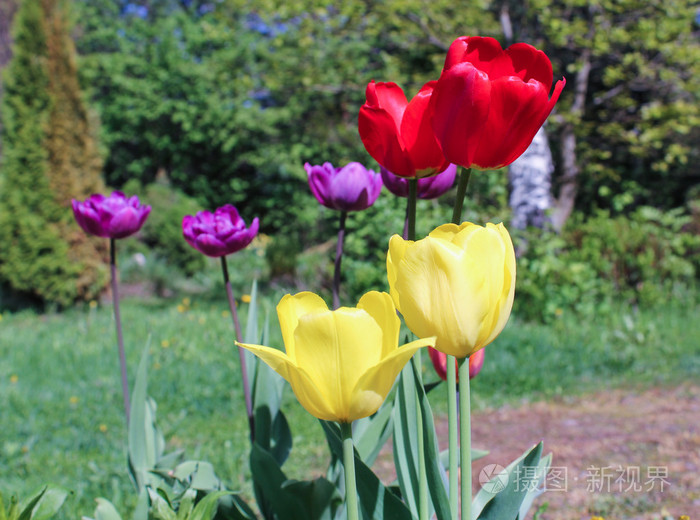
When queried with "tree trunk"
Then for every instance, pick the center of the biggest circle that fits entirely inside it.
(531, 183)
(568, 183)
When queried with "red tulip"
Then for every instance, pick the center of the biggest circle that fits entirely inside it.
(489, 103)
(398, 133)
(476, 361)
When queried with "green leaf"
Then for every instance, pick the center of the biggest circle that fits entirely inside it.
(145, 441)
(160, 506)
(142, 506)
(105, 510)
(320, 496)
(536, 488)
(49, 503)
(27, 507)
(434, 469)
(268, 479)
(200, 474)
(233, 507)
(206, 508)
(506, 503)
(376, 501)
(405, 439)
(476, 455)
(371, 433)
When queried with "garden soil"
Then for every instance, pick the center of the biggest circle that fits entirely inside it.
(616, 454)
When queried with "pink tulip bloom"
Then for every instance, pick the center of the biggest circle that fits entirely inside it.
(115, 216)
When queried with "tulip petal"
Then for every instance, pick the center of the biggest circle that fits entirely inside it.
(380, 135)
(289, 309)
(374, 385)
(462, 100)
(380, 307)
(336, 348)
(275, 359)
(448, 231)
(389, 97)
(513, 121)
(502, 313)
(440, 295)
(479, 50)
(394, 257)
(418, 136)
(529, 63)
(311, 397)
(315, 400)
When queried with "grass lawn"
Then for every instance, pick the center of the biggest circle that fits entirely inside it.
(61, 413)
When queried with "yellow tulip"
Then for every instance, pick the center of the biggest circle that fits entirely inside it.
(341, 364)
(456, 284)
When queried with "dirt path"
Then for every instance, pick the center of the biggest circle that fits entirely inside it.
(618, 454)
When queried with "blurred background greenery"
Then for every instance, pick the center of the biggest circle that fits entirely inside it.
(192, 104)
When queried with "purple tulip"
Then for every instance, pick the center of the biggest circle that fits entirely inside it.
(350, 188)
(428, 187)
(218, 234)
(115, 216)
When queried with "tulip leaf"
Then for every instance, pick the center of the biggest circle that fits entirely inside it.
(43, 505)
(269, 480)
(233, 507)
(371, 433)
(476, 455)
(206, 508)
(146, 443)
(320, 496)
(435, 470)
(405, 439)
(513, 483)
(537, 487)
(105, 510)
(376, 501)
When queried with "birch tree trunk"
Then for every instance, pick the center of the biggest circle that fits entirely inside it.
(531, 184)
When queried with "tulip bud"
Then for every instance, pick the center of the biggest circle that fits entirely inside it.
(457, 284)
(115, 216)
(218, 234)
(350, 188)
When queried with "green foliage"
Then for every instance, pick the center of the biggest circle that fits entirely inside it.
(162, 232)
(640, 259)
(640, 119)
(45, 162)
(42, 505)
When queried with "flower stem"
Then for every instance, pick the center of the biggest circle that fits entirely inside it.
(451, 368)
(118, 322)
(464, 176)
(349, 466)
(423, 504)
(411, 207)
(241, 353)
(452, 435)
(338, 259)
(465, 439)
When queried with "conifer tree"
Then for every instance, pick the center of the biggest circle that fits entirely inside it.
(49, 157)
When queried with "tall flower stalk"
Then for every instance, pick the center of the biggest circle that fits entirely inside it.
(113, 217)
(453, 416)
(349, 188)
(220, 234)
(118, 324)
(349, 468)
(241, 355)
(338, 259)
